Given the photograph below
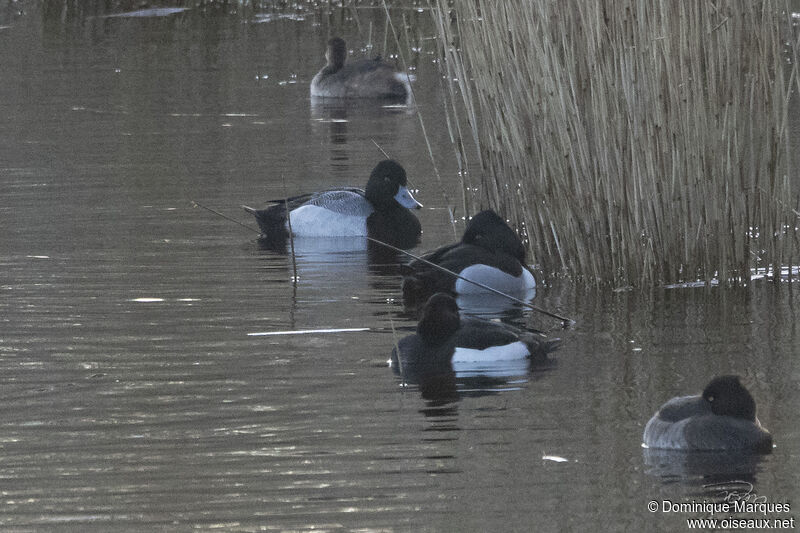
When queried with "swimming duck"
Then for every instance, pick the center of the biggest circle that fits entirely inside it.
(380, 211)
(365, 78)
(722, 418)
(444, 340)
(489, 253)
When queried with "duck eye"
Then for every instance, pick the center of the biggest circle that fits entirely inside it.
(710, 398)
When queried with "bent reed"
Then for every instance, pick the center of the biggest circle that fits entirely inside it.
(639, 142)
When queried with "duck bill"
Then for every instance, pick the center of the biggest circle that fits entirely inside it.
(404, 198)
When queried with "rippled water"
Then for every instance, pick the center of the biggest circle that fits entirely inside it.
(143, 385)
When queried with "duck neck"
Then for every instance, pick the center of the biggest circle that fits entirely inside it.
(336, 55)
(331, 69)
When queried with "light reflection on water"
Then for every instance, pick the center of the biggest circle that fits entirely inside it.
(133, 396)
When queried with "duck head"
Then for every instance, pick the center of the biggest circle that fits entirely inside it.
(728, 397)
(387, 186)
(487, 230)
(336, 53)
(440, 319)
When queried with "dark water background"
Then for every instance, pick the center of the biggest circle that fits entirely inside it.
(133, 395)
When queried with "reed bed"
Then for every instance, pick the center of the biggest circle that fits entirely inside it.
(634, 142)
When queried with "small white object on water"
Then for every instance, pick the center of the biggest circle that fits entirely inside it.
(554, 458)
(152, 12)
(304, 331)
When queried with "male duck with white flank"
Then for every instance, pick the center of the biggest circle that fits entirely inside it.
(444, 341)
(721, 419)
(364, 78)
(380, 211)
(490, 252)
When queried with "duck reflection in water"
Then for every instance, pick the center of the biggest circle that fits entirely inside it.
(710, 471)
(310, 251)
(448, 353)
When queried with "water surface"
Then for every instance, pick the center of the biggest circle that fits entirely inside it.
(134, 393)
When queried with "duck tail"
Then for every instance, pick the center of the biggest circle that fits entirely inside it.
(250, 210)
(551, 345)
(539, 348)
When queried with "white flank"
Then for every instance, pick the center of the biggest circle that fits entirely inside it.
(497, 361)
(508, 352)
(315, 221)
(494, 278)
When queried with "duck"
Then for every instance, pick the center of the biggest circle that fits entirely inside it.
(365, 78)
(722, 419)
(381, 211)
(445, 341)
(489, 252)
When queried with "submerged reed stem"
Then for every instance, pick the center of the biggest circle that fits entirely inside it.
(291, 232)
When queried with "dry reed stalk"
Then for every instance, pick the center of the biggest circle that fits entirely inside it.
(635, 142)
